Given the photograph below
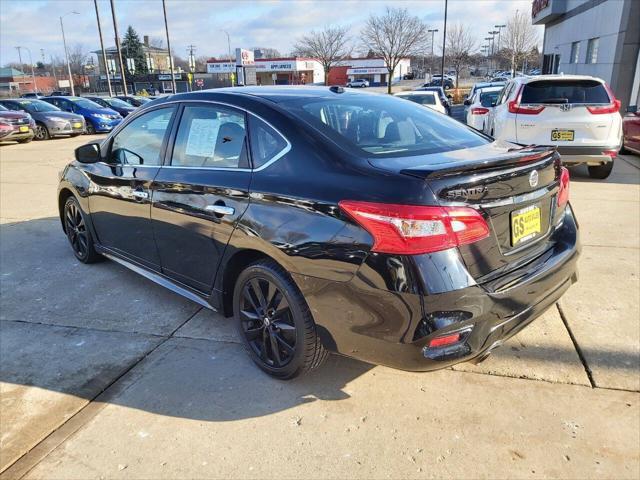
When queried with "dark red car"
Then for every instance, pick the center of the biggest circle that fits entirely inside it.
(631, 130)
(16, 126)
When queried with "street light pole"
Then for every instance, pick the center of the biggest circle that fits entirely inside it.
(66, 52)
(166, 28)
(432, 32)
(229, 49)
(33, 75)
(104, 54)
(115, 30)
(444, 42)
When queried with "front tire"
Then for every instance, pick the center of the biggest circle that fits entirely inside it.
(274, 322)
(91, 130)
(42, 132)
(78, 233)
(600, 172)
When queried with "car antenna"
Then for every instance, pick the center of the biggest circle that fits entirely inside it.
(336, 89)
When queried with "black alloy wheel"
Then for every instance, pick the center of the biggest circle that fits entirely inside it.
(91, 130)
(77, 232)
(274, 321)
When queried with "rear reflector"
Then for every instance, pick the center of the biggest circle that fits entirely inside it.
(413, 229)
(444, 341)
(563, 190)
(479, 111)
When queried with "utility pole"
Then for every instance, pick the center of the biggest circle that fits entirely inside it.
(192, 64)
(115, 29)
(104, 54)
(20, 57)
(230, 58)
(166, 27)
(432, 32)
(33, 75)
(444, 42)
(53, 69)
(66, 52)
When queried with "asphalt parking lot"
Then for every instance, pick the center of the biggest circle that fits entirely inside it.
(103, 374)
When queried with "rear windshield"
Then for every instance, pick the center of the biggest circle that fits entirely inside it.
(487, 98)
(384, 126)
(565, 91)
(420, 99)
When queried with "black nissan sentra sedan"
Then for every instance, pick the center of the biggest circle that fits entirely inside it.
(323, 219)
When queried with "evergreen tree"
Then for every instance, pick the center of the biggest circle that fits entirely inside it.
(132, 48)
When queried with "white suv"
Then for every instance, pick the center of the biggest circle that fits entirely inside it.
(577, 114)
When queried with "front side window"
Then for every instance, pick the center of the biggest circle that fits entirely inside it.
(575, 52)
(383, 126)
(592, 50)
(266, 143)
(140, 142)
(211, 136)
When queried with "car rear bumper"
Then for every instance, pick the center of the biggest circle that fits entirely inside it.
(383, 319)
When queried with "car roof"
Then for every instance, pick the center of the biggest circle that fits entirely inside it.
(416, 92)
(490, 89)
(528, 79)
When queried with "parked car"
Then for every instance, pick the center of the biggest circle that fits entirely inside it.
(577, 114)
(5, 128)
(58, 93)
(631, 130)
(134, 100)
(31, 95)
(424, 98)
(437, 82)
(478, 106)
(329, 219)
(476, 86)
(444, 98)
(358, 83)
(500, 79)
(50, 121)
(97, 118)
(21, 125)
(120, 106)
(409, 76)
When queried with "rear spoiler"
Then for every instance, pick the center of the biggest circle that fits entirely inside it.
(514, 156)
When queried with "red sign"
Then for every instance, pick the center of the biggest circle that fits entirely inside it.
(199, 82)
(537, 6)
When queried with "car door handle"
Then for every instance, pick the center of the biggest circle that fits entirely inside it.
(140, 194)
(220, 209)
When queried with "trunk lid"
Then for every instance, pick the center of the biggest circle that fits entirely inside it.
(499, 181)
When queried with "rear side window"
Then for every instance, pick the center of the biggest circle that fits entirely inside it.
(420, 99)
(488, 98)
(565, 91)
(383, 126)
(266, 143)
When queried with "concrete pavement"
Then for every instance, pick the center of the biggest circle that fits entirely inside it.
(105, 375)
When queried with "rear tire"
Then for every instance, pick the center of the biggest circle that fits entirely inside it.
(600, 172)
(274, 322)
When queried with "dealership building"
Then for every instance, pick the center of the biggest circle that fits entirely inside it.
(593, 37)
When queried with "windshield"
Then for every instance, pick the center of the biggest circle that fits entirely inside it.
(3, 108)
(116, 102)
(37, 106)
(143, 100)
(382, 125)
(84, 103)
(488, 98)
(565, 91)
(420, 99)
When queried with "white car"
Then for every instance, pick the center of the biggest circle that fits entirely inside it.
(576, 113)
(359, 83)
(479, 105)
(428, 99)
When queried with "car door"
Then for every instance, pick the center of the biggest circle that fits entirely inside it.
(120, 190)
(201, 192)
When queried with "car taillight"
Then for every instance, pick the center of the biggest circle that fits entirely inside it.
(479, 111)
(613, 107)
(610, 153)
(515, 107)
(412, 229)
(563, 191)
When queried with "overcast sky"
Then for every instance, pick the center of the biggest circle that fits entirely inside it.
(34, 23)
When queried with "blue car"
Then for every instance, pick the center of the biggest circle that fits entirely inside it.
(97, 118)
(120, 106)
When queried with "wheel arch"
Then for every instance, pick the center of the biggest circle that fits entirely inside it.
(63, 195)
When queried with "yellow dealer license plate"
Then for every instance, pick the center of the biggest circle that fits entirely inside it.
(525, 224)
(24, 129)
(562, 135)
(77, 125)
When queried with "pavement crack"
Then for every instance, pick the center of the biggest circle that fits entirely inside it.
(579, 351)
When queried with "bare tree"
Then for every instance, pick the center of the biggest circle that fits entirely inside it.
(77, 58)
(519, 38)
(330, 46)
(460, 45)
(268, 52)
(395, 35)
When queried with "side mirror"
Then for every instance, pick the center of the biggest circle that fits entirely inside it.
(89, 153)
(467, 102)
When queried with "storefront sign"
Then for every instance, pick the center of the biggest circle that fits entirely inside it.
(244, 57)
(176, 76)
(226, 67)
(367, 71)
(275, 66)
